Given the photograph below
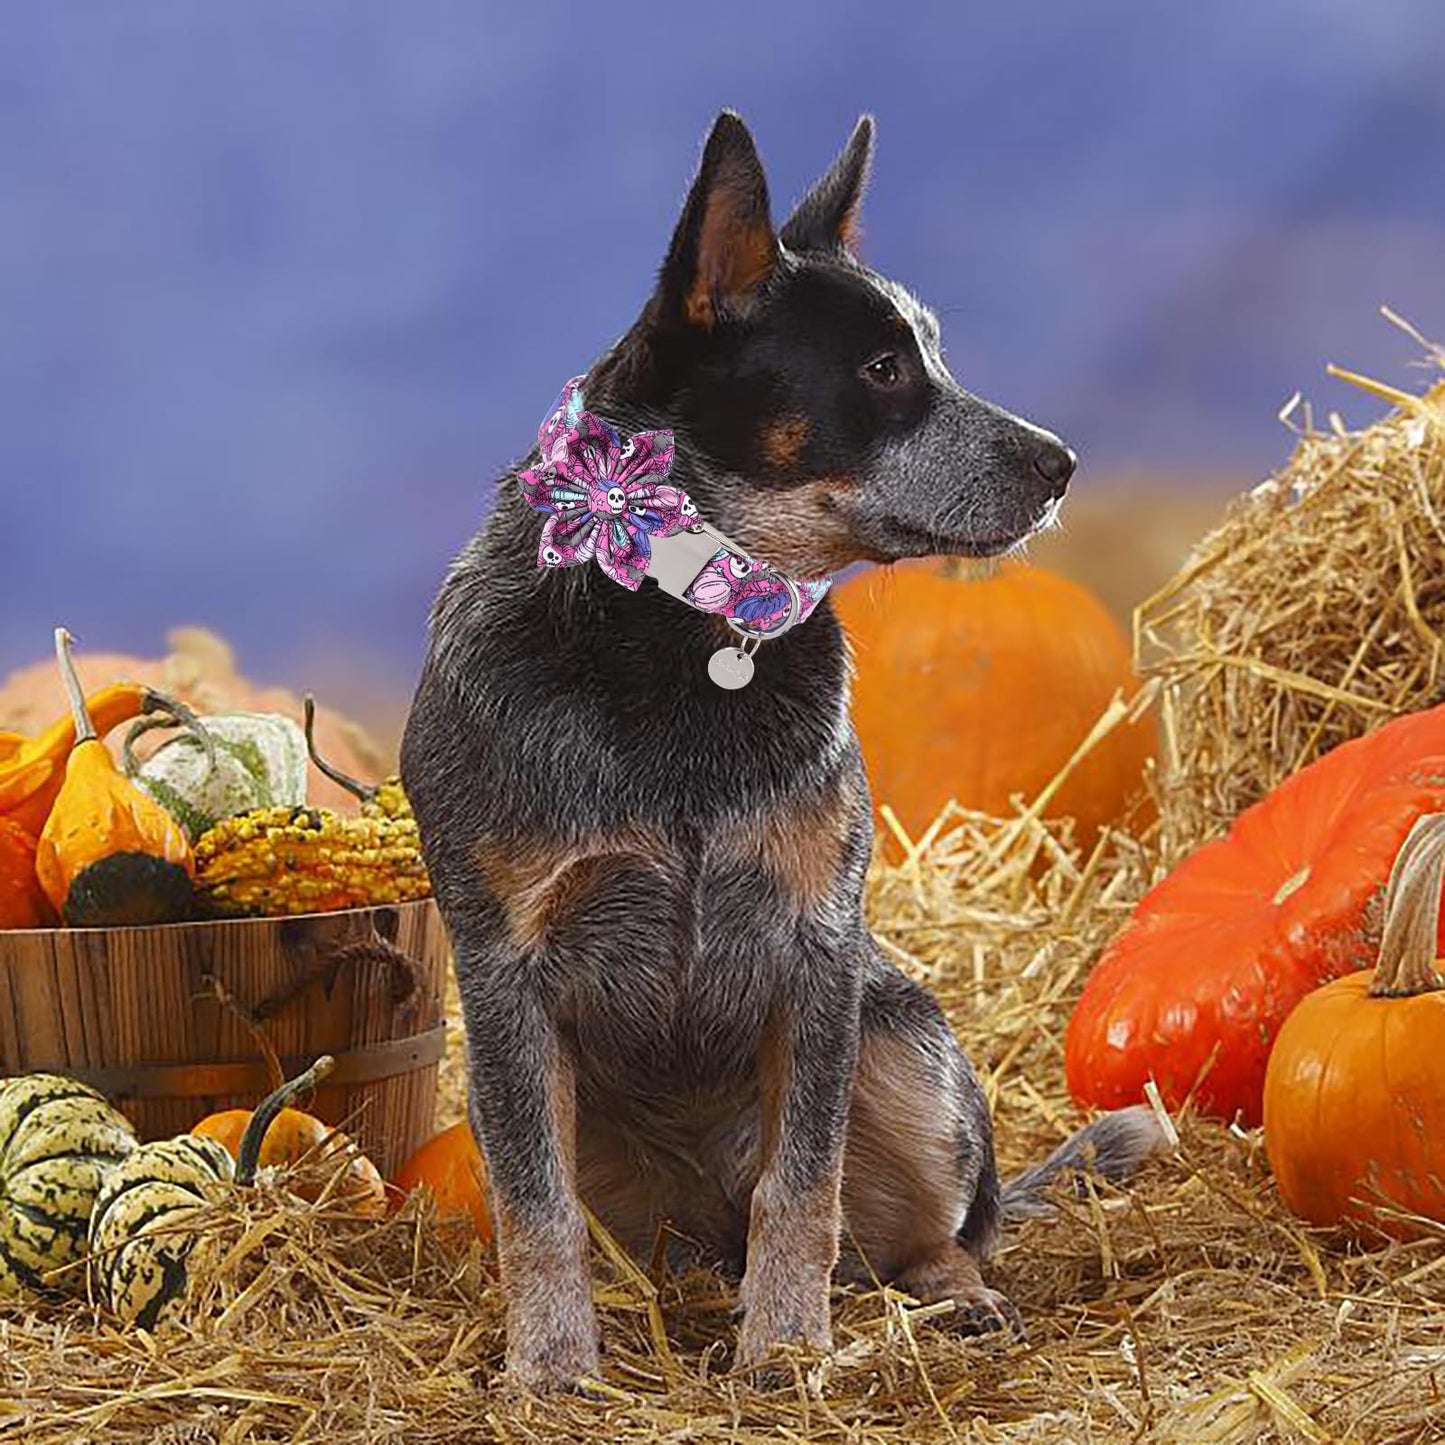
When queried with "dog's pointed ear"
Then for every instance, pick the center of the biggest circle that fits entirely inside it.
(827, 217)
(724, 247)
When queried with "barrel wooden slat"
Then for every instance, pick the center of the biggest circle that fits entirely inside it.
(89, 960)
(72, 1009)
(42, 1033)
(78, 999)
(9, 1012)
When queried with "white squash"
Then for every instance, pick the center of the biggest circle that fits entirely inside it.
(224, 765)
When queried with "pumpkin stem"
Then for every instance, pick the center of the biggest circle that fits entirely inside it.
(80, 714)
(968, 569)
(361, 791)
(167, 712)
(1406, 964)
(249, 1153)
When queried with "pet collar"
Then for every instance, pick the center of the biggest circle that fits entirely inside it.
(608, 501)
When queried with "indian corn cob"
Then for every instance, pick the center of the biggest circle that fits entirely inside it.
(388, 800)
(307, 860)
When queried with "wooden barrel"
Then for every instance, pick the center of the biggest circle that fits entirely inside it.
(174, 1022)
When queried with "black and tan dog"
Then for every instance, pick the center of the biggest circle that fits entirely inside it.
(674, 1010)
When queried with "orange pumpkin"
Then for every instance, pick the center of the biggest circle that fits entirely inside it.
(1192, 992)
(979, 690)
(452, 1167)
(23, 903)
(294, 1135)
(1354, 1096)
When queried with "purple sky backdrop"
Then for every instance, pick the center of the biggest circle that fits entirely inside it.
(282, 287)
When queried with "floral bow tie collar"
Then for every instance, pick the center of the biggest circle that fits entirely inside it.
(609, 501)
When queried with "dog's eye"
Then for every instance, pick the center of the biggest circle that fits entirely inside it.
(885, 371)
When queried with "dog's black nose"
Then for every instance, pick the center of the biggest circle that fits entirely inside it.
(1055, 464)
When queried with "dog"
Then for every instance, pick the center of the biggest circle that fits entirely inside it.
(674, 1010)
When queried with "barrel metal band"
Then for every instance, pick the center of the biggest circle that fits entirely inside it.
(252, 1076)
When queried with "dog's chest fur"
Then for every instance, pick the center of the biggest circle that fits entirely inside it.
(662, 849)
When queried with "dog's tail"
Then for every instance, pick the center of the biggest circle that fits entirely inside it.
(1113, 1147)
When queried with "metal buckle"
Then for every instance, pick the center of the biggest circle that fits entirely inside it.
(676, 560)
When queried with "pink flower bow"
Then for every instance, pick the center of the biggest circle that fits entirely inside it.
(604, 498)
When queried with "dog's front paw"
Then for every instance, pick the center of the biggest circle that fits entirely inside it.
(798, 1316)
(552, 1350)
(565, 1365)
(757, 1342)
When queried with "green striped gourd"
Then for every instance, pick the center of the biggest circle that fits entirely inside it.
(59, 1140)
(145, 1224)
(141, 1233)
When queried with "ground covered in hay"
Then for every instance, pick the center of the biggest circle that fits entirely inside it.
(1189, 1307)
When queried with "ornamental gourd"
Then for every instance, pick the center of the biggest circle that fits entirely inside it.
(108, 855)
(141, 1234)
(386, 799)
(1193, 991)
(279, 861)
(273, 861)
(1354, 1096)
(220, 765)
(59, 1140)
(23, 903)
(294, 1137)
(143, 1229)
(452, 1167)
(980, 690)
(33, 768)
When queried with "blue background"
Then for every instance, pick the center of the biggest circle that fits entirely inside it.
(283, 285)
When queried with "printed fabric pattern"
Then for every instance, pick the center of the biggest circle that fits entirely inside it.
(605, 499)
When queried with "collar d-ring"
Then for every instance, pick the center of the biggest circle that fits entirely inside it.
(795, 608)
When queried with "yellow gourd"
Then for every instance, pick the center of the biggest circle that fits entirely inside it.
(32, 769)
(109, 855)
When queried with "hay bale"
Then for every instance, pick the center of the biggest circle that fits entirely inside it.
(1313, 613)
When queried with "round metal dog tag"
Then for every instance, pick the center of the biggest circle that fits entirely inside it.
(730, 667)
